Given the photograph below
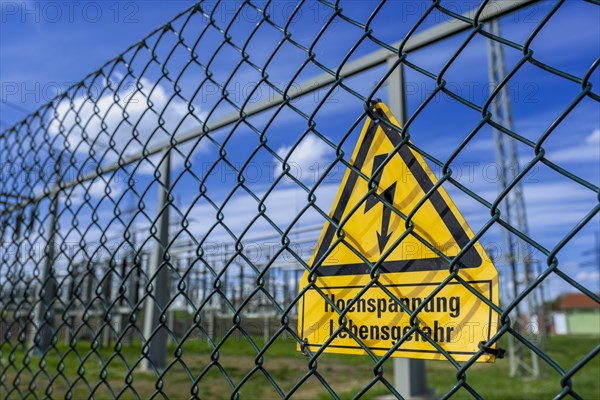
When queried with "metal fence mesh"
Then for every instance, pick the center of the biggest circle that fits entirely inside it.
(191, 113)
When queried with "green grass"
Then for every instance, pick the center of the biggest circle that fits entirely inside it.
(76, 373)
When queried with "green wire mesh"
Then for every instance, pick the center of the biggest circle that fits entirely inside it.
(85, 248)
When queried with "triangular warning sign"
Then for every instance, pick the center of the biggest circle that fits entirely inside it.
(371, 227)
(390, 213)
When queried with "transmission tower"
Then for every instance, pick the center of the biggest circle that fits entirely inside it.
(517, 265)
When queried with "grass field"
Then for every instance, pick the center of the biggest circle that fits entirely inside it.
(81, 370)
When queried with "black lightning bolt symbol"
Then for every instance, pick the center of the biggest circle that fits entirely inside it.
(388, 194)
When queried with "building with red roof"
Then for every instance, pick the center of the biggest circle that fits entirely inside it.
(582, 314)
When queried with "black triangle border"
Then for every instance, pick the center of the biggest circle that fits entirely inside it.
(471, 259)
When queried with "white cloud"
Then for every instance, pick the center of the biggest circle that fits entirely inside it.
(575, 154)
(311, 153)
(584, 152)
(97, 189)
(594, 137)
(241, 210)
(548, 217)
(588, 276)
(122, 122)
(547, 214)
(481, 144)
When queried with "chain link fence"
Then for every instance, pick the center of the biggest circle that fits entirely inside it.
(157, 217)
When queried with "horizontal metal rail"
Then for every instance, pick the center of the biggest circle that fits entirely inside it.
(493, 9)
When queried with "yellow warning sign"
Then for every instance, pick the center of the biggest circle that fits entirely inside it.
(406, 235)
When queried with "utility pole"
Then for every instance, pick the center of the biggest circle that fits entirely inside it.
(155, 315)
(410, 378)
(43, 331)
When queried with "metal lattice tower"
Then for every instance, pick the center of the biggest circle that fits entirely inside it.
(516, 257)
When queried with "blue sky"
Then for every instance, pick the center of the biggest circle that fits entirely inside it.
(45, 48)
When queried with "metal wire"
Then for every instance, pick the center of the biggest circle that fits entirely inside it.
(87, 256)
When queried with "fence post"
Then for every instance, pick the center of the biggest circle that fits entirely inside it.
(155, 326)
(409, 375)
(43, 314)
